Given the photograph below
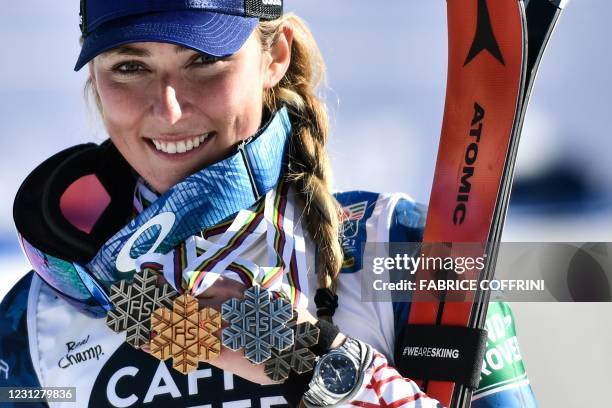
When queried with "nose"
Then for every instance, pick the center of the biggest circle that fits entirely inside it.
(168, 108)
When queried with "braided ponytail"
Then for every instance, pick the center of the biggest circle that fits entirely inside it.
(309, 168)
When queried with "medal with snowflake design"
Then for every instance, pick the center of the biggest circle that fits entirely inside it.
(185, 334)
(298, 358)
(258, 324)
(133, 302)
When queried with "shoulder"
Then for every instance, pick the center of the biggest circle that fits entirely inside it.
(15, 362)
(14, 305)
(376, 217)
(398, 213)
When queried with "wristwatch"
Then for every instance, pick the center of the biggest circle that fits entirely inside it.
(336, 375)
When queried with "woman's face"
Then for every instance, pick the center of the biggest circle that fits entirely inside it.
(172, 111)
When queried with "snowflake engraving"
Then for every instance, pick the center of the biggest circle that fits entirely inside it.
(257, 324)
(185, 333)
(299, 357)
(133, 303)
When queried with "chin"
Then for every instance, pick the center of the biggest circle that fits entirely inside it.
(162, 184)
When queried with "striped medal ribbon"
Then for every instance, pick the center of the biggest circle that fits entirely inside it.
(197, 263)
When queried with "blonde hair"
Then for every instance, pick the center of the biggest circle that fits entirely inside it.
(309, 168)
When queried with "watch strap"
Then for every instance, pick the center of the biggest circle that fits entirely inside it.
(327, 334)
(366, 358)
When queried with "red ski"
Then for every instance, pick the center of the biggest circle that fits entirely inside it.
(490, 76)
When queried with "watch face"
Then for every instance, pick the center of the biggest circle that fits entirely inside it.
(338, 372)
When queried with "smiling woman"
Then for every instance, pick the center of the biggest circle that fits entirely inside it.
(171, 110)
(207, 217)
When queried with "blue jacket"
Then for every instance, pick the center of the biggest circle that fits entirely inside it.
(43, 340)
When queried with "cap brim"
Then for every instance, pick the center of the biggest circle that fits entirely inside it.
(215, 34)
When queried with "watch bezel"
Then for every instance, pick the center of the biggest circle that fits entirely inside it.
(319, 375)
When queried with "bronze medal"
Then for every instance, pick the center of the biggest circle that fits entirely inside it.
(298, 358)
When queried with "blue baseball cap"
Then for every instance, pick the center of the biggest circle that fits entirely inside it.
(215, 27)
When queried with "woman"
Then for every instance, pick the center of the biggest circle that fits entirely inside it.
(217, 142)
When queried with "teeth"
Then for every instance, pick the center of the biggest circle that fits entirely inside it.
(181, 146)
(171, 147)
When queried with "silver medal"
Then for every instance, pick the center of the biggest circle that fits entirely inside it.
(258, 324)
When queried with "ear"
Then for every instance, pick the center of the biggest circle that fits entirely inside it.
(280, 57)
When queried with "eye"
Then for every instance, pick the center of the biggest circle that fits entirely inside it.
(127, 68)
(205, 59)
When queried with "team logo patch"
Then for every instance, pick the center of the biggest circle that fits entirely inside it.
(353, 234)
(354, 212)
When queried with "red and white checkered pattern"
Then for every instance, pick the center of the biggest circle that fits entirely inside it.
(387, 388)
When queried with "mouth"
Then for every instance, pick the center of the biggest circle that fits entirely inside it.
(180, 147)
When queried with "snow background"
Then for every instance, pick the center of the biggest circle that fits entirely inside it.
(387, 71)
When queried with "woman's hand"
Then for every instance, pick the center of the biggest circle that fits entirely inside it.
(234, 361)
